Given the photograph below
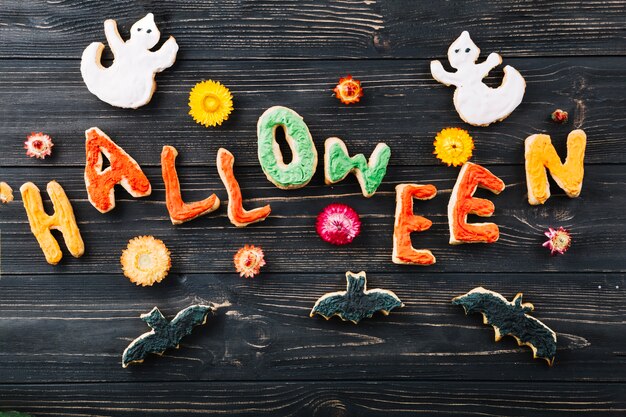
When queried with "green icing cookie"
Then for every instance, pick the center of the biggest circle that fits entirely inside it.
(511, 318)
(356, 303)
(300, 170)
(164, 335)
(13, 414)
(338, 164)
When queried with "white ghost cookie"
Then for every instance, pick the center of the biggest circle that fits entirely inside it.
(129, 81)
(476, 103)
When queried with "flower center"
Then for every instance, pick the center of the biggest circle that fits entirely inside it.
(211, 103)
(37, 144)
(350, 89)
(145, 261)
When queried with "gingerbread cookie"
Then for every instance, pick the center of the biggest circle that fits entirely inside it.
(407, 222)
(124, 170)
(63, 220)
(180, 211)
(477, 103)
(238, 216)
(298, 172)
(511, 318)
(541, 155)
(6, 193)
(129, 81)
(164, 335)
(338, 164)
(357, 302)
(463, 203)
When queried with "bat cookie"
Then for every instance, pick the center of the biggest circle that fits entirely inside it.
(338, 164)
(477, 103)
(298, 172)
(129, 81)
(357, 302)
(511, 318)
(164, 335)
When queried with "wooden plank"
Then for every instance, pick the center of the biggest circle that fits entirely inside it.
(288, 236)
(295, 399)
(62, 328)
(403, 106)
(322, 29)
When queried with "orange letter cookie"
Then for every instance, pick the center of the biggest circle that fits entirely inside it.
(407, 222)
(180, 211)
(462, 203)
(124, 170)
(236, 213)
(63, 219)
(540, 154)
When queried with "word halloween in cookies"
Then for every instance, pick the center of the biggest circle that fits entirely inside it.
(541, 157)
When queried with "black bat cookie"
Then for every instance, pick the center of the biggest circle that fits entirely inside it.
(511, 318)
(356, 302)
(164, 334)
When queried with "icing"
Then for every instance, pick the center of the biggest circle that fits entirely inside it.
(540, 154)
(300, 170)
(407, 222)
(236, 213)
(124, 170)
(476, 103)
(463, 203)
(338, 164)
(129, 81)
(41, 223)
(179, 210)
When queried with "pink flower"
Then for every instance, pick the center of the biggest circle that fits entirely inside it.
(559, 240)
(338, 224)
(38, 145)
(249, 260)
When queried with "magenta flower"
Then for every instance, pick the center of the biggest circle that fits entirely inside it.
(559, 240)
(338, 224)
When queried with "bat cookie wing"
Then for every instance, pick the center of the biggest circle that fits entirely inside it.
(511, 318)
(356, 303)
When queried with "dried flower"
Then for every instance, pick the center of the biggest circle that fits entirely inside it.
(559, 116)
(348, 90)
(38, 145)
(249, 260)
(559, 240)
(338, 224)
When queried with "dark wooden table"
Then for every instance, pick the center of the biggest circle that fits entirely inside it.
(63, 328)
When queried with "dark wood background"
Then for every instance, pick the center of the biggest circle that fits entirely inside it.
(63, 328)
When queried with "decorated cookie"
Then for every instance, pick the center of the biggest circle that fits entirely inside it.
(541, 155)
(210, 103)
(13, 414)
(38, 145)
(338, 224)
(129, 81)
(357, 302)
(407, 222)
(238, 216)
(476, 103)
(164, 335)
(145, 261)
(348, 90)
(463, 203)
(124, 170)
(6, 193)
(298, 172)
(180, 211)
(338, 164)
(559, 240)
(511, 318)
(453, 146)
(249, 260)
(63, 220)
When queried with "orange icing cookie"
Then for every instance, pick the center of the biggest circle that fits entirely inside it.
(238, 216)
(63, 219)
(463, 203)
(540, 154)
(407, 222)
(180, 211)
(124, 170)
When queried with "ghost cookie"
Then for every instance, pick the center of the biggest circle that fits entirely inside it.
(298, 172)
(476, 103)
(129, 81)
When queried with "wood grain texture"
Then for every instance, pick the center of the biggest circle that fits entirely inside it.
(322, 29)
(403, 107)
(289, 239)
(62, 328)
(335, 399)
